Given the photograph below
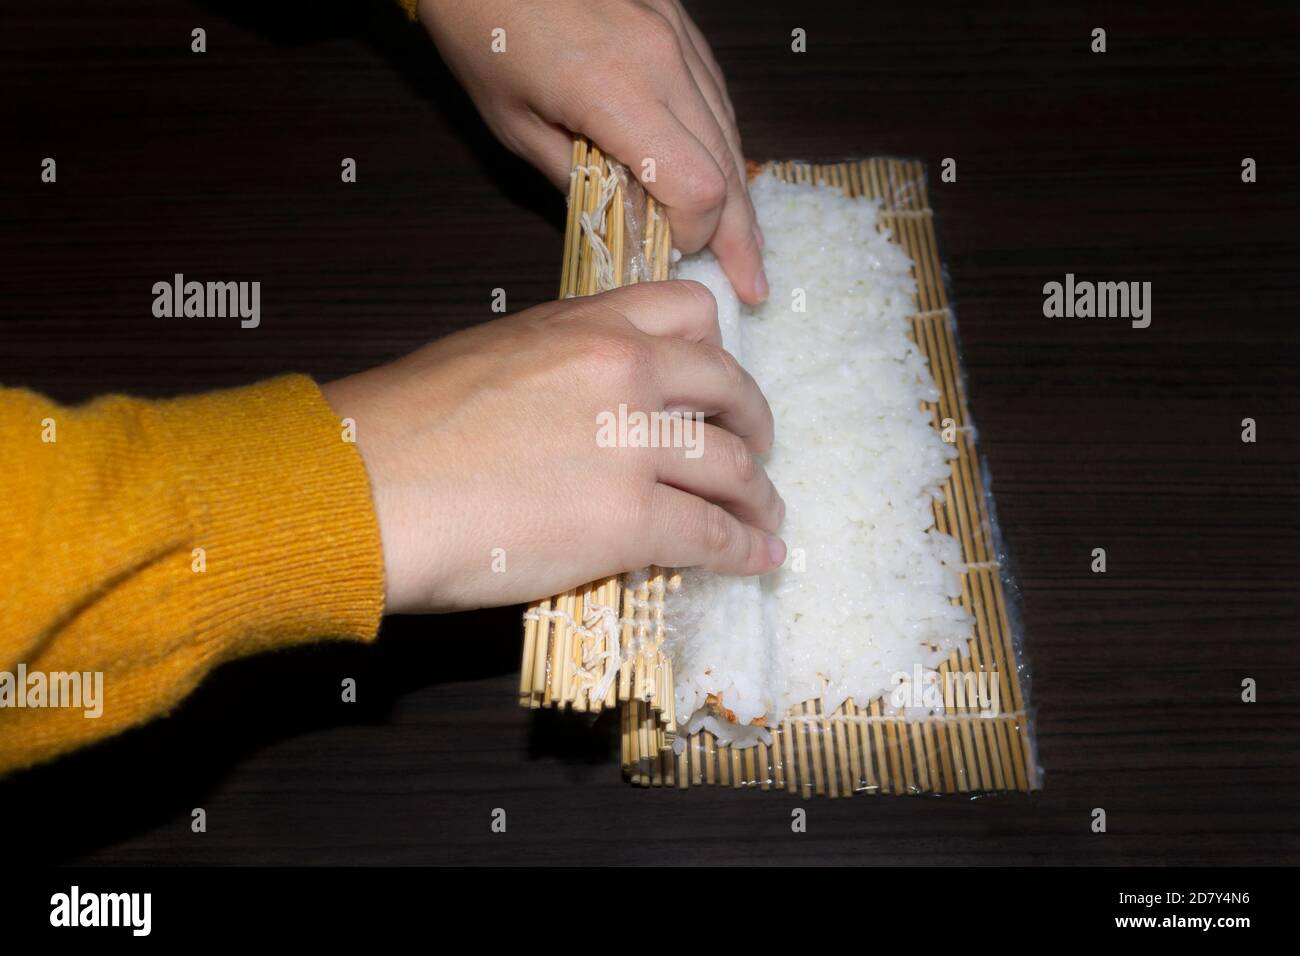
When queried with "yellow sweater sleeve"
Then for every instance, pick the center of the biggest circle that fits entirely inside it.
(148, 542)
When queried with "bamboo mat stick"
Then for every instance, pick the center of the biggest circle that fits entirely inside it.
(815, 743)
(579, 642)
(629, 642)
(803, 763)
(586, 284)
(893, 756)
(573, 235)
(625, 737)
(854, 745)
(840, 734)
(880, 756)
(785, 775)
(564, 642)
(529, 661)
(543, 653)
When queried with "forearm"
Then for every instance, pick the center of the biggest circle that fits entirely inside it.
(151, 541)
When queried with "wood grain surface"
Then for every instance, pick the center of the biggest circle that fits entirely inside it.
(1119, 166)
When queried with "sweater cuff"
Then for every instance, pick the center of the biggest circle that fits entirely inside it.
(281, 507)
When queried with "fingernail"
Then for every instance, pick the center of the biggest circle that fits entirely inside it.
(758, 237)
(775, 550)
(760, 285)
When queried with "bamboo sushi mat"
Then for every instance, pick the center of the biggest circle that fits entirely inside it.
(857, 748)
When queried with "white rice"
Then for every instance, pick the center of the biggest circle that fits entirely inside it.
(863, 599)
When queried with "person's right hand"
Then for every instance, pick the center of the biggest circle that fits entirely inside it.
(487, 440)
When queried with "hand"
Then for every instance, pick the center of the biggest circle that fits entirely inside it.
(634, 76)
(488, 439)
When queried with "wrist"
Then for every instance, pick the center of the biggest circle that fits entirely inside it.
(377, 436)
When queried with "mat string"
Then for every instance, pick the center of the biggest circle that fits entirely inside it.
(593, 225)
(602, 620)
(894, 718)
(554, 614)
(607, 618)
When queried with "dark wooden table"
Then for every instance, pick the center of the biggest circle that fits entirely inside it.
(1122, 166)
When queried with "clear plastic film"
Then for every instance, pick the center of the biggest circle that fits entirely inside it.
(614, 231)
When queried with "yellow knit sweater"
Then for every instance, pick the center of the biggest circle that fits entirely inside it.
(151, 541)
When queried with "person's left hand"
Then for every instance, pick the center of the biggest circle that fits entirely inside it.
(634, 76)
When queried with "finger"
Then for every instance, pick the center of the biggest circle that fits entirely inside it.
(545, 145)
(716, 465)
(706, 54)
(709, 88)
(735, 242)
(703, 378)
(687, 179)
(687, 531)
(708, 76)
(681, 308)
(728, 123)
(739, 251)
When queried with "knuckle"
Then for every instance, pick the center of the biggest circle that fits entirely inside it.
(730, 370)
(743, 463)
(595, 115)
(775, 507)
(727, 147)
(656, 34)
(716, 533)
(697, 303)
(622, 358)
(705, 189)
(699, 291)
(764, 440)
(634, 518)
(638, 518)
